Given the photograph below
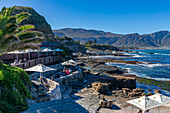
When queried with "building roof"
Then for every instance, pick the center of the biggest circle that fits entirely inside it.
(49, 44)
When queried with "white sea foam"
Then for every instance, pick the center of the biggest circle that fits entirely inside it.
(155, 65)
(162, 54)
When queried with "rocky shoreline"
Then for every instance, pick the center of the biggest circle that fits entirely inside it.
(97, 86)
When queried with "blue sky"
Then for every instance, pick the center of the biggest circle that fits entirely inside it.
(117, 16)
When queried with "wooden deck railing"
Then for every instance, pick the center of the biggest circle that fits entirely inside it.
(44, 60)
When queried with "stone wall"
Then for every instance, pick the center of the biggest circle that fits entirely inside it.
(73, 77)
(54, 90)
(39, 92)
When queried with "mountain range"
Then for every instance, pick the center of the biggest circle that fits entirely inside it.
(156, 39)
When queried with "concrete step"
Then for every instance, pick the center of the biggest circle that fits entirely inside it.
(62, 88)
(66, 93)
(56, 106)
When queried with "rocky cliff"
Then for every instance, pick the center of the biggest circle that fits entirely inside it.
(160, 38)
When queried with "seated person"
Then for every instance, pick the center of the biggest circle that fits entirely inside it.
(60, 74)
(52, 78)
(67, 72)
(25, 59)
(140, 111)
(44, 82)
(64, 72)
(15, 62)
(70, 71)
(20, 61)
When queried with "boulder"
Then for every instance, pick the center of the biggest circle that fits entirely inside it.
(157, 91)
(143, 94)
(102, 88)
(124, 82)
(87, 71)
(134, 94)
(149, 94)
(138, 90)
(126, 90)
(105, 104)
(115, 71)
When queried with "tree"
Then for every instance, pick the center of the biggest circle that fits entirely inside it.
(95, 41)
(89, 42)
(13, 36)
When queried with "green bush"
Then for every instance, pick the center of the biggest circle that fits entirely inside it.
(14, 92)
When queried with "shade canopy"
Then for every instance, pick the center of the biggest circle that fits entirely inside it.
(16, 52)
(40, 68)
(72, 61)
(67, 63)
(145, 103)
(58, 49)
(160, 98)
(47, 50)
(31, 50)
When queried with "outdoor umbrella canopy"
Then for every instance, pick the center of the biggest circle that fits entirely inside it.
(145, 103)
(160, 98)
(40, 68)
(58, 49)
(67, 63)
(47, 50)
(72, 61)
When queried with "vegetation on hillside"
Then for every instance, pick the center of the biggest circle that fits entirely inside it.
(13, 92)
(14, 36)
(13, 80)
(90, 45)
(34, 19)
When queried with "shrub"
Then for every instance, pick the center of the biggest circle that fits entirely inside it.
(13, 81)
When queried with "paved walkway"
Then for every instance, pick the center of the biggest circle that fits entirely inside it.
(56, 106)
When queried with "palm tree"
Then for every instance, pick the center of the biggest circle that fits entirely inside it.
(13, 36)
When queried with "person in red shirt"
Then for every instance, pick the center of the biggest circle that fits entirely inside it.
(67, 72)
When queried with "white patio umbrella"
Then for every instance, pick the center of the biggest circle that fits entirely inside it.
(160, 98)
(72, 61)
(145, 103)
(40, 68)
(58, 50)
(67, 64)
(16, 52)
(47, 50)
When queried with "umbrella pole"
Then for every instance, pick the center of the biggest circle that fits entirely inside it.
(57, 56)
(17, 57)
(29, 55)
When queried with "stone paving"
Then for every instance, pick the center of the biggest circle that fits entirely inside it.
(56, 106)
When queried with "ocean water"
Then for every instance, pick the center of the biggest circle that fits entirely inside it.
(156, 66)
